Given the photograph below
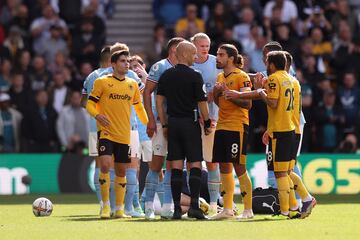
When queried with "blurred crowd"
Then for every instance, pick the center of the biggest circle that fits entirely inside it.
(48, 47)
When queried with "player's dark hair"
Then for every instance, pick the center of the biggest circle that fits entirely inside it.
(105, 54)
(289, 58)
(272, 46)
(231, 51)
(240, 61)
(117, 55)
(277, 58)
(174, 42)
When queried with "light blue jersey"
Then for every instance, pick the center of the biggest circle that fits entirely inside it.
(209, 74)
(89, 84)
(292, 73)
(155, 73)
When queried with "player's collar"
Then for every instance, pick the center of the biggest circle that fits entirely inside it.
(118, 78)
(168, 59)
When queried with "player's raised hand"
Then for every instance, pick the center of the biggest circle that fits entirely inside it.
(231, 94)
(258, 80)
(103, 120)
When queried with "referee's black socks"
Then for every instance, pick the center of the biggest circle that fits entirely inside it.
(195, 186)
(176, 186)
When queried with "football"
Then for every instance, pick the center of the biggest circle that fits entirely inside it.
(42, 207)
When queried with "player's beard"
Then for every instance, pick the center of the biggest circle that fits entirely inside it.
(219, 66)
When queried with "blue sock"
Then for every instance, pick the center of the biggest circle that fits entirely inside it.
(142, 199)
(160, 191)
(271, 179)
(214, 185)
(112, 192)
(136, 199)
(97, 185)
(131, 181)
(152, 179)
(167, 188)
(298, 172)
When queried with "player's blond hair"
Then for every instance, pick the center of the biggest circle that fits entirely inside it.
(199, 36)
(118, 47)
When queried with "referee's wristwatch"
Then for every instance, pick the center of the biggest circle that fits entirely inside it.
(165, 125)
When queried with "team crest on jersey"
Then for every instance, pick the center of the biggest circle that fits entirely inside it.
(156, 67)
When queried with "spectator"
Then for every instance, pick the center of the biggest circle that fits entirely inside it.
(189, 25)
(39, 126)
(72, 125)
(87, 44)
(55, 43)
(22, 20)
(317, 19)
(254, 5)
(322, 49)
(8, 12)
(168, 12)
(40, 27)
(346, 52)
(76, 82)
(219, 20)
(14, 44)
(255, 53)
(23, 64)
(5, 75)
(330, 120)
(348, 145)
(349, 98)
(283, 36)
(61, 63)
(59, 94)
(40, 77)
(311, 72)
(70, 11)
(20, 95)
(344, 13)
(227, 37)
(156, 48)
(242, 30)
(89, 14)
(10, 122)
(289, 12)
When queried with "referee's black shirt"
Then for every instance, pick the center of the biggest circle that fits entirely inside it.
(183, 88)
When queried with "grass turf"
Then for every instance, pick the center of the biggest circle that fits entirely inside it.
(76, 217)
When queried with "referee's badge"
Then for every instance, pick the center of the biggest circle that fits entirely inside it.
(102, 148)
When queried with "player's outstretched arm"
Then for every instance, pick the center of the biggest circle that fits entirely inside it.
(141, 113)
(160, 100)
(149, 89)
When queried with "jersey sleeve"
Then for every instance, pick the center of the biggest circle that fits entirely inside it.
(155, 72)
(96, 91)
(245, 83)
(200, 88)
(273, 88)
(88, 83)
(137, 95)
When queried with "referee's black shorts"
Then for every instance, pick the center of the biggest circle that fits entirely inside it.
(184, 140)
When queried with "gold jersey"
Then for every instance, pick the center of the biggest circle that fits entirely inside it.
(231, 116)
(114, 98)
(297, 105)
(280, 86)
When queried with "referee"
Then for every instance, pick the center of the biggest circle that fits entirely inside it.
(182, 88)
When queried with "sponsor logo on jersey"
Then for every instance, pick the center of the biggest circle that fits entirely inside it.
(116, 96)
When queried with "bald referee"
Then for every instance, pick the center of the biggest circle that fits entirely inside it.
(183, 90)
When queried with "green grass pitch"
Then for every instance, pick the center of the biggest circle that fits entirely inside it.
(76, 217)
